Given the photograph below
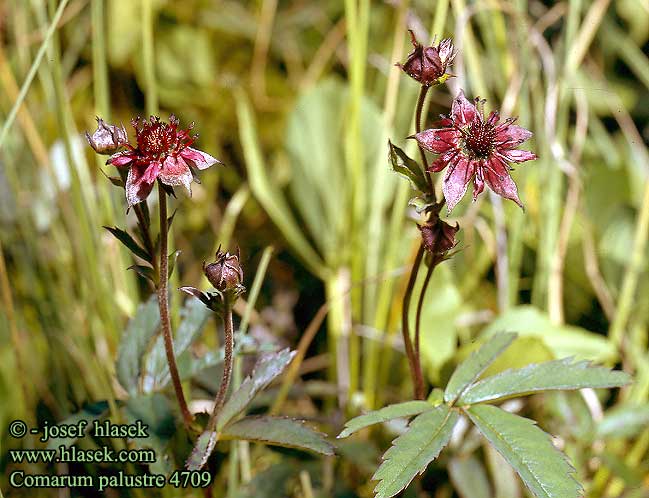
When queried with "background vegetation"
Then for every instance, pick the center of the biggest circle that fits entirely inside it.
(299, 98)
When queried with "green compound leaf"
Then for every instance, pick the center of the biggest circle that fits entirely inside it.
(624, 421)
(564, 374)
(267, 369)
(193, 317)
(470, 369)
(407, 409)
(134, 344)
(278, 431)
(407, 168)
(543, 468)
(411, 452)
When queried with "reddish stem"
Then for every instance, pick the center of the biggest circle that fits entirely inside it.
(163, 302)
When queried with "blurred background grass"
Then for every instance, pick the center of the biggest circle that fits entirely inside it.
(299, 98)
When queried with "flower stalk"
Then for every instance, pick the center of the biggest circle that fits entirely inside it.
(226, 275)
(228, 362)
(413, 359)
(163, 303)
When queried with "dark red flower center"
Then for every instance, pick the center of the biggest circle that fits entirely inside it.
(156, 139)
(479, 139)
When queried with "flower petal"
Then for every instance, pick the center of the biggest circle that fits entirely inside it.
(121, 158)
(517, 156)
(496, 174)
(152, 171)
(137, 186)
(438, 140)
(446, 51)
(175, 171)
(512, 134)
(442, 161)
(463, 111)
(478, 182)
(457, 180)
(198, 158)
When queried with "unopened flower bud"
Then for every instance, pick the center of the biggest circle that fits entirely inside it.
(428, 65)
(438, 237)
(107, 138)
(225, 274)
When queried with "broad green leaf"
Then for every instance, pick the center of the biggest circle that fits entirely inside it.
(543, 468)
(155, 412)
(89, 413)
(278, 431)
(189, 365)
(562, 340)
(411, 452)
(126, 239)
(469, 477)
(624, 421)
(564, 374)
(193, 317)
(268, 368)
(520, 353)
(407, 409)
(470, 369)
(134, 342)
(269, 195)
(313, 141)
(407, 167)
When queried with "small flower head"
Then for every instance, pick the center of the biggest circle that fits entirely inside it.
(107, 138)
(225, 273)
(428, 65)
(475, 148)
(438, 237)
(162, 152)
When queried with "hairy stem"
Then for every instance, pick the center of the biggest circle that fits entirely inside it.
(163, 302)
(413, 361)
(228, 331)
(420, 304)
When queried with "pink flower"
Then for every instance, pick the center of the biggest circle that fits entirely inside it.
(162, 153)
(428, 65)
(475, 148)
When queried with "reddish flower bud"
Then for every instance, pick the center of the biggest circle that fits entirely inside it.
(107, 138)
(438, 237)
(428, 65)
(225, 274)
